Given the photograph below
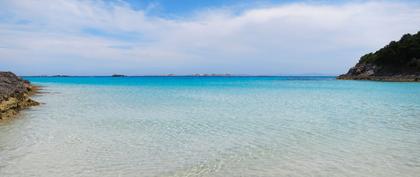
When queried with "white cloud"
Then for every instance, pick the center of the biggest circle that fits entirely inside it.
(93, 37)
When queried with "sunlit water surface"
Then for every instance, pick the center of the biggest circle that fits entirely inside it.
(215, 126)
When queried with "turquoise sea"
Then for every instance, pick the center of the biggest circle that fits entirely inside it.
(215, 126)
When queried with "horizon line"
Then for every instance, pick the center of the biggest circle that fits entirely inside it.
(192, 75)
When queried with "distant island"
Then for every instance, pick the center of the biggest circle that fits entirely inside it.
(60, 75)
(398, 61)
(118, 75)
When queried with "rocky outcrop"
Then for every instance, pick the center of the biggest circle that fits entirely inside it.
(373, 72)
(14, 94)
(398, 61)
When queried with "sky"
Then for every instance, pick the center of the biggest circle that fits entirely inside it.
(155, 37)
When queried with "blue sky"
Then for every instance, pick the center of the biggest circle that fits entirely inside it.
(152, 37)
(186, 6)
(170, 8)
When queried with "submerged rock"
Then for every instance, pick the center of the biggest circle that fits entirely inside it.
(14, 94)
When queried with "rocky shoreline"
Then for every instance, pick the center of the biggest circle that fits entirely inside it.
(399, 78)
(399, 61)
(14, 95)
(369, 72)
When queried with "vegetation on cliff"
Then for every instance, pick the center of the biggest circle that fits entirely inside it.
(399, 60)
(14, 94)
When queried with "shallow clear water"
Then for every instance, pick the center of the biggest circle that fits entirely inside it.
(215, 126)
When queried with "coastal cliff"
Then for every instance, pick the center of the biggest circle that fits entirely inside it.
(398, 61)
(14, 94)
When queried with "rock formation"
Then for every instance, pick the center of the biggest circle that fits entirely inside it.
(14, 94)
(398, 61)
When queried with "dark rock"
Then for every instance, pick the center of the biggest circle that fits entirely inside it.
(14, 94)
(11, 85)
